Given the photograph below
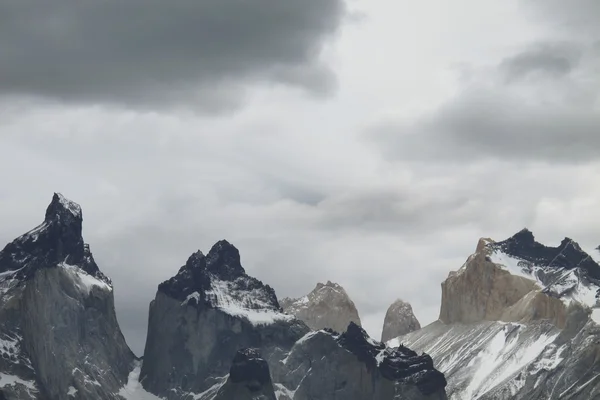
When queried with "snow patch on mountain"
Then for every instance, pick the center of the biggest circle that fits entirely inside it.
(133, 390)
(7, 380)
(83, 280)
(233, 299)
(498, 362)
(71, 206)
(566, 284)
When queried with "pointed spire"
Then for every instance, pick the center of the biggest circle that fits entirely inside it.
(63, 209)
(223, 259)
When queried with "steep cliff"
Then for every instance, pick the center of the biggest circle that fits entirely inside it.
(59, 336)
(326, 306)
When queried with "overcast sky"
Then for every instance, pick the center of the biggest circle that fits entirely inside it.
(367, 142)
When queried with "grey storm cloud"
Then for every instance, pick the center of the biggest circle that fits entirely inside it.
(554, 60)
(154, 53)
(536, 105)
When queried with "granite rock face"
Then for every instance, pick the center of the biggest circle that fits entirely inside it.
(203, 316)
(59, 337)
(249, 378)
(519, 320)
(399, 320)
(327, 306)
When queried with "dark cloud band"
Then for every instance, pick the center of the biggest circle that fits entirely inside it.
(148, 53)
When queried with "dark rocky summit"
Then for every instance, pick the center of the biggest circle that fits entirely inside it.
(202, 316)
(249, 378)
(567, 255)
(57, 240)
(325, 365)
(59, 337)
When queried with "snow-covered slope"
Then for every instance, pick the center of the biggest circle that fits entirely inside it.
(565, 272)
(326, 306)
(518, 323)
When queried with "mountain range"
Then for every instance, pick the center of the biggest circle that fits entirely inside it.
(519, 320)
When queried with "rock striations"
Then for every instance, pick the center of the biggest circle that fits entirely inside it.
(327, 306)
(399, 320)
(519, 320)
(59, 337)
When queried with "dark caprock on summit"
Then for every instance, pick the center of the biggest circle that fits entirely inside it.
(203, 315)
(568, 254)
(60, 335)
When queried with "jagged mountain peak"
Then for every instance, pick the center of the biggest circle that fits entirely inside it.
(223, 259)
(56, 241)
(63, 209)
(219, 281)
(196, 260)
(567, 255)
(393, 363)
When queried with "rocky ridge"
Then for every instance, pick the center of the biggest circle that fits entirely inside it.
(517, 321)
(326, 306)
(327, 365)
(214, 333)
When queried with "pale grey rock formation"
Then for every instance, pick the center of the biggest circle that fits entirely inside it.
(59, 336)
(399, 320)
(327, 306)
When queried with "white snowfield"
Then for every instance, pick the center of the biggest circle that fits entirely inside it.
(7, 380)
(134, 390)
(568, 285)
(84, 281)
(241, 303)
(480, 358)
